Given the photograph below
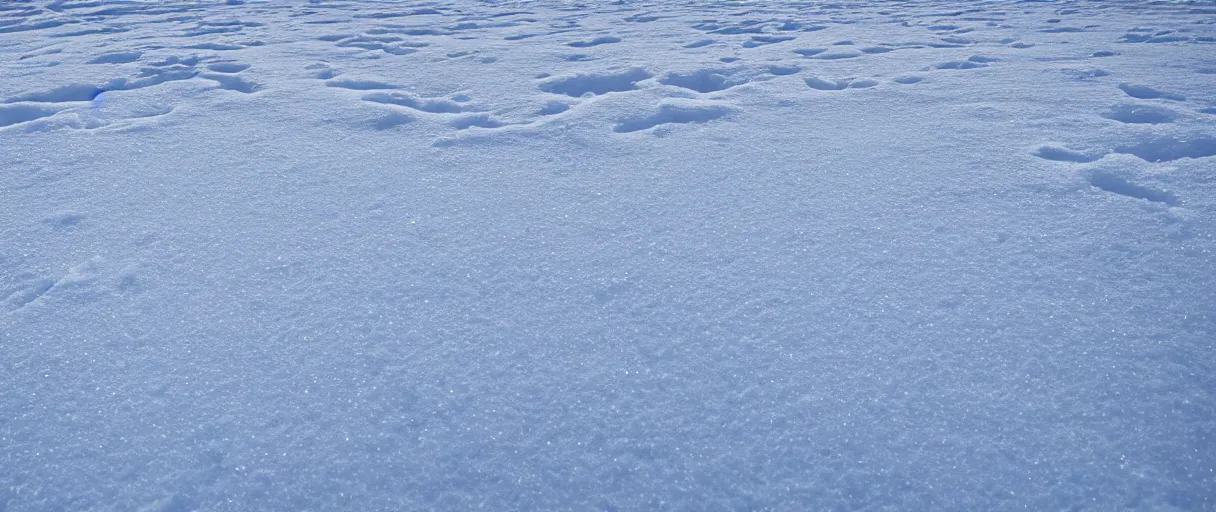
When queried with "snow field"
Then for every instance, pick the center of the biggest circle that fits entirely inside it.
(633, 255)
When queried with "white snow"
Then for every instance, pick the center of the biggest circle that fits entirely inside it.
(632, 255)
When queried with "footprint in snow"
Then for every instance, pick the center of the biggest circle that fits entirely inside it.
(1140, 114)
(322, 71)
(228, 67)
(971, 63)
(1062, 154)
(219, 47)
(1169, 148)
(476, 121)
(117, 58)
(17, 114)
(64, 219)
(822, 84)
(595, 84)
(837, 55)
(784, 70)
(62, 94)
(758, 41)
(553, 108)
(675, 113)
(392, 120)
(231, 82)
(1111, 182)
(594, 42)
(428, 105)
(706, 80)
(359, 85)
(1145, 92)
(1084, 74)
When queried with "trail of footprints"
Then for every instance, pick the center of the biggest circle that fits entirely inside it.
(391, 32)
(83, 282)
(179, 26)
(411, 32)
(461, 114)
(1145, 106)
(454, 110)
(579, 86)
(89, 107)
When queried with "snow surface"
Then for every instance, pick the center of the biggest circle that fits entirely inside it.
(652, 255)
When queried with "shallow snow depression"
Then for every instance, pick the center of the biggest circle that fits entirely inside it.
(701, 255)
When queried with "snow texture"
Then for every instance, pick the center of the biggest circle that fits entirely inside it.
(632, 255)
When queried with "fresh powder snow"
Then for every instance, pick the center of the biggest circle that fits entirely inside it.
(607, 255)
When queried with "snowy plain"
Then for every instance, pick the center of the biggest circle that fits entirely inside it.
(633, 255)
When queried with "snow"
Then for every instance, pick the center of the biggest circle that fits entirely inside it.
(634, 255)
